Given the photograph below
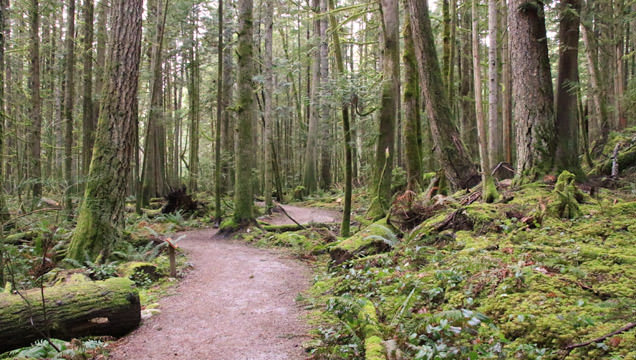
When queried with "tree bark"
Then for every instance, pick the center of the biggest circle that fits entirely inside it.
(346, 127)
(35, 127)
(243, 190)
(506, 94)
(88, 128)
(449, 148)
(310, 181)
(567, 125)
(384, 154)
(532, 89)
(153, 177)
(101, 213)
(324, 108)
(413, 126)
(69, 95)
(220, 108)
(467, 90)
(494, 128)
(109, 307)
(269, 90)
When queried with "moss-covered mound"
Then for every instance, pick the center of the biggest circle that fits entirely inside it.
(505, 280)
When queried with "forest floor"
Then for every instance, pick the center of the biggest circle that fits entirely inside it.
(237, 303)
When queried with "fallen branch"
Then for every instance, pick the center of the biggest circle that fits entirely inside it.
(625, 328)
(290, 218)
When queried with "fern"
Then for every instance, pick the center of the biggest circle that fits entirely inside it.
(388, 237)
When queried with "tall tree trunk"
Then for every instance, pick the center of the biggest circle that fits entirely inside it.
(324, 108)
(567, 125)
(243, 198)
(506, 94)
(69, 96)
(153, 175)
(4, 214)
(532, 89)
(102, 19)
(346, 126)
(218, 191)
(619, 76)
(35, 128)
(87, 115)
(449, 148)
(413, 127)
(310, 177)
(384, 154)
(467, 90)
(489, 191)
(269, 90)
(597, 85)
(193, 95)
(494, 128)
(228, 87)
(101, 214)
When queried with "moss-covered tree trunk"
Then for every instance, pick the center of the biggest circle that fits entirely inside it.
(384, 153)
(86, 308)
(532, 89)
(413, 127)
(243, 197)
(450, 150)
(567, 125)
(35, 126)
(102, 210)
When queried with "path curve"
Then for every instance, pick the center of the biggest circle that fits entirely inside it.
(237, 303)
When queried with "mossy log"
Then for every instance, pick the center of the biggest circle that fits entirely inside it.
(372, 240)
(566, 197)
(625, 160)
(17, 238)
(109, 307)
(373, 344)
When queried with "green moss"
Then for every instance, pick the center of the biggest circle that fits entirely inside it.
(566, 197)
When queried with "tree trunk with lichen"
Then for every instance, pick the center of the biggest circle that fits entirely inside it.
(384, 154)
(102, 210)
(450, 150)
(532, 89)
(413, 124)
(83, 308)
(243, 198)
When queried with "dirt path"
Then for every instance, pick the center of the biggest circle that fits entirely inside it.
(237, 303)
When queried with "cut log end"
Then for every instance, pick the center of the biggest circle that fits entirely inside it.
(100, 308)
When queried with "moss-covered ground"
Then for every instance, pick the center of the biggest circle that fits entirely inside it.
(520, 283)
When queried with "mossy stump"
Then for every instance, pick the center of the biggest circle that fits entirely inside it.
(109, 307)
(566, 197)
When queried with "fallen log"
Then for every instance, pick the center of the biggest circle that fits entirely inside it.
(109, 307)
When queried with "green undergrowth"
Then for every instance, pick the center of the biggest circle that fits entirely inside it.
(507, 280)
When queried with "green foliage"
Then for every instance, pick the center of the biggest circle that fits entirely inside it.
(96, 271)
(42, 349)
